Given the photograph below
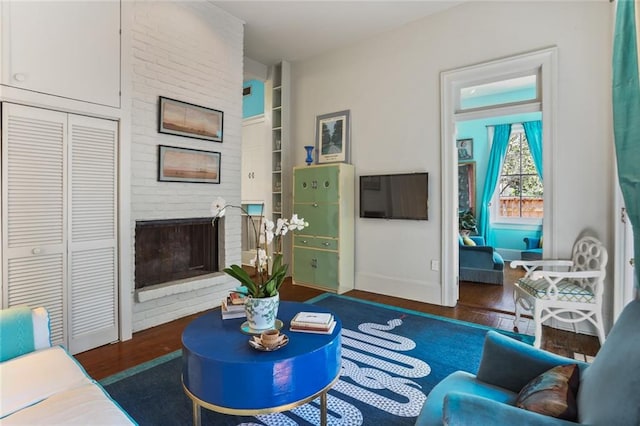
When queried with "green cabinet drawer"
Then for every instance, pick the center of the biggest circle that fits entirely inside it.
(323, 218)
(316, 184)
(316, 266)
(311, 242)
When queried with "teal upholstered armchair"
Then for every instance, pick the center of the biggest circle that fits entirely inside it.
(608, 391)
(480, 263)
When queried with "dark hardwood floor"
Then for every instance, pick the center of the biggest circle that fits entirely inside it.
(485, 304)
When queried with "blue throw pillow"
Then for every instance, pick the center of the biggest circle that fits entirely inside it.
(16, 332)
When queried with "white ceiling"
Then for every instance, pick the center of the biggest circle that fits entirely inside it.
(297, 30)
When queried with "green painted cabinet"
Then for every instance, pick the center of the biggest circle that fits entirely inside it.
(323, 252)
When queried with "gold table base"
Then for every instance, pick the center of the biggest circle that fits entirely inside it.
(198, 404)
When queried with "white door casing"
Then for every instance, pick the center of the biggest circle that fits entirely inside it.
(544, 63)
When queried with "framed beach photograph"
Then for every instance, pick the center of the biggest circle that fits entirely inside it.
(188, 165)
(193, 121)
(465, 149)
(333, 137)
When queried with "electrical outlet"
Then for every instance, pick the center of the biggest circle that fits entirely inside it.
(435, 265)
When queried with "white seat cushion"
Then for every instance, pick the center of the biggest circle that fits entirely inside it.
(85, 405)
(30, 378)
(567, 290)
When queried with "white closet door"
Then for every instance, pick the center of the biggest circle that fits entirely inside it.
(93, 295)
(33, 211)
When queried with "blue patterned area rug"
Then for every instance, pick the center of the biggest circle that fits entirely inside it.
(391, 359)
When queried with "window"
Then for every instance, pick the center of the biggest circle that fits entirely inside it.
(520, 190)
(500, 92)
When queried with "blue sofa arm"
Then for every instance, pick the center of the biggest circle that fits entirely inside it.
(479, 257)
(462, 409)
(525, 362)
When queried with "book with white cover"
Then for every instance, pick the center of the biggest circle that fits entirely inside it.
(295, 329)
(231, 307)
(312, 318)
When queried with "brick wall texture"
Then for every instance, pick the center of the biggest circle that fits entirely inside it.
(192, 52)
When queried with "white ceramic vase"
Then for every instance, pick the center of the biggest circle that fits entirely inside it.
(261, 313)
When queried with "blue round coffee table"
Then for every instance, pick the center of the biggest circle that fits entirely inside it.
(221, 372)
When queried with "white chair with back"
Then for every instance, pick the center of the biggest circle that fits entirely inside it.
(571, 296)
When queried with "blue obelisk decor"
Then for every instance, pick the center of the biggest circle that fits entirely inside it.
(309, 158)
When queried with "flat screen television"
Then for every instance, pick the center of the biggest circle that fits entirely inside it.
(395, 196)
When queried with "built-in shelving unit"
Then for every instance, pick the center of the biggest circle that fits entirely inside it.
(280, 135)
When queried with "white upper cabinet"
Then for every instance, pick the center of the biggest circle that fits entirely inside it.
(256, 157)
(67, 49)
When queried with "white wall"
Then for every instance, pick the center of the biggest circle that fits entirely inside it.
(391, 85)
(190, 51)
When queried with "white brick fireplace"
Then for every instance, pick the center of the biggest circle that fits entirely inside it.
(189, 51)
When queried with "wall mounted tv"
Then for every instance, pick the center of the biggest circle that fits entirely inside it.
(395, 196)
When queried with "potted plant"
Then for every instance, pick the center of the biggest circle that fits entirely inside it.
(262, 290)
(467, 222)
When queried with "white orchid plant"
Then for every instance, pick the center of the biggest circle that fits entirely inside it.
(265, 284)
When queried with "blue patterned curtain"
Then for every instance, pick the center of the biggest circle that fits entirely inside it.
(496, 158)
(626, 114)
(533, 131)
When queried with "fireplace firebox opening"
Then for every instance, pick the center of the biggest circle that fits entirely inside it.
(175, 249)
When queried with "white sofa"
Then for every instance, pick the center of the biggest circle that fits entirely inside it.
(41, 384)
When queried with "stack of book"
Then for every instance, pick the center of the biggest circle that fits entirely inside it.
(236, 298)
(233, 306)
(313, 322)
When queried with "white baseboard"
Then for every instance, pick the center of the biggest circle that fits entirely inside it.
(584, 327)
(426, 292)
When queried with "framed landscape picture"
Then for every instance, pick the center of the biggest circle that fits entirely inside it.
(333, 137)
(193, 121)
(188, 165)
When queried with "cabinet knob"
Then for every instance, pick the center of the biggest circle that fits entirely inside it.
(305, 242)
(36, 250)
(315, 204)
(325, 244)
(19, 77)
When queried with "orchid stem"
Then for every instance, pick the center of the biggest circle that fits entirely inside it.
(256, 234)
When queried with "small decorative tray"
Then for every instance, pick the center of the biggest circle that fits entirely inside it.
(256, 343)
(248, 330)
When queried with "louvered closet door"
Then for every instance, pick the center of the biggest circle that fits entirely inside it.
(93, 290)
(33, 211)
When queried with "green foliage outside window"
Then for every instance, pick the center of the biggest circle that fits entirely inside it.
(519, 180)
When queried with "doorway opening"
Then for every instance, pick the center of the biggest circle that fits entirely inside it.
(456, 111)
